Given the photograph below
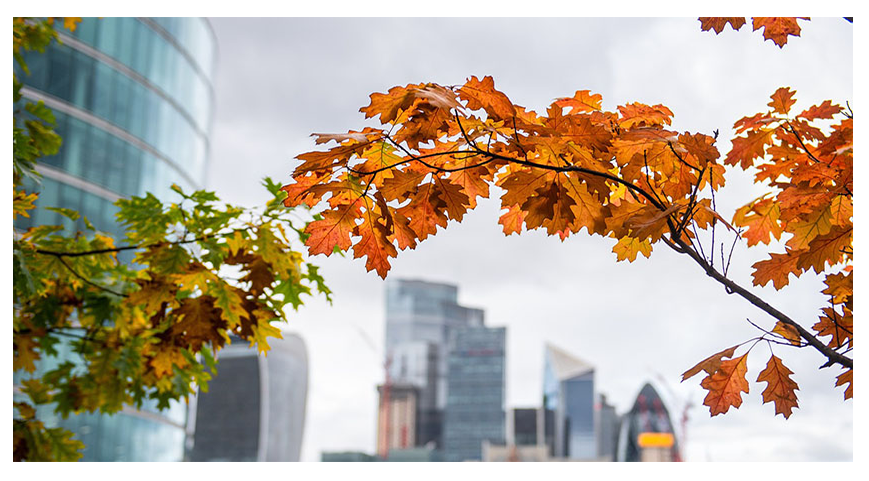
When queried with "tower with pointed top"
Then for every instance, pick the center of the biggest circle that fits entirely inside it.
(568, 392)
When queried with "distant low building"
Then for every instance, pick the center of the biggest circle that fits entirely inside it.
(346, 457)
(254, 409)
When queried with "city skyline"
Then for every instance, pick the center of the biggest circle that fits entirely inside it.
(540, 288)
(278, 80)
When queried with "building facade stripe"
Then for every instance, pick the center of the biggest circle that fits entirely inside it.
(65, 107)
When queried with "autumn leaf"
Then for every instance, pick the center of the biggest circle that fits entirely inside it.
(333, 230)
(788, 332)
(847, 377)
(780, 388)
(776, 269)
(710, 364)
(512, 220)
(824, 111)
(200, 323)
(481, 94)
(582, 101)
(782, 100)
(718, 23)
(627, 248)
(726, 386)
(777, 29)
(762, 221)
(745, 149)
(840, 327)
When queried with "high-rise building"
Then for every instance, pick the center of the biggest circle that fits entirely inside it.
(133, 100)
(475, 392)
(646, 432)
(254, 409)
(420, 320)
(568, 391)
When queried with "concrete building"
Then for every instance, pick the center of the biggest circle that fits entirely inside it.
(254, 409)
(132, 98)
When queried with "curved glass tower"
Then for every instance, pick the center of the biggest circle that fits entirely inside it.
(133, 100)
(254, 409)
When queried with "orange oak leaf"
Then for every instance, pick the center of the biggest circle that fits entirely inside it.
(627, 248)
(777, 29)
(375, 244)
(710, 364)
(815, 224)
(333, 230)
(642, 115)
(718, 23)
(847, 377)
(788, 332)
(745, 149)
(776, 269)
(582, 101)
(839, 286)
(392, 104)
(481, 94)
(780, 388)
(512, 220)
(826, 249)
(762, 220)
(840, 327)
(824, 111)
(782, 100)
(726, 385)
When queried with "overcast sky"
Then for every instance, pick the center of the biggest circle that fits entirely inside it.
(278, 80)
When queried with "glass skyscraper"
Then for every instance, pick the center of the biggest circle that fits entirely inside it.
(475, 392)
(421, 318)
(133, 100)
(568, 392)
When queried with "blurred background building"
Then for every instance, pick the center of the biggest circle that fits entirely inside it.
(421, 318)
(475, 392)
(254, 409)
(133, 101)
(647, 433)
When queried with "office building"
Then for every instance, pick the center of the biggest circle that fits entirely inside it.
(475, 392)
(421, 318)
(254, 409)
(133, 100)
(346, 457)
(568, 391)
(646, 432)
(607, 429)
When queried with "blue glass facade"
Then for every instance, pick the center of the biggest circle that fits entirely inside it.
(569, 393)
(421, 318)
(133, 100)
(475, 392)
